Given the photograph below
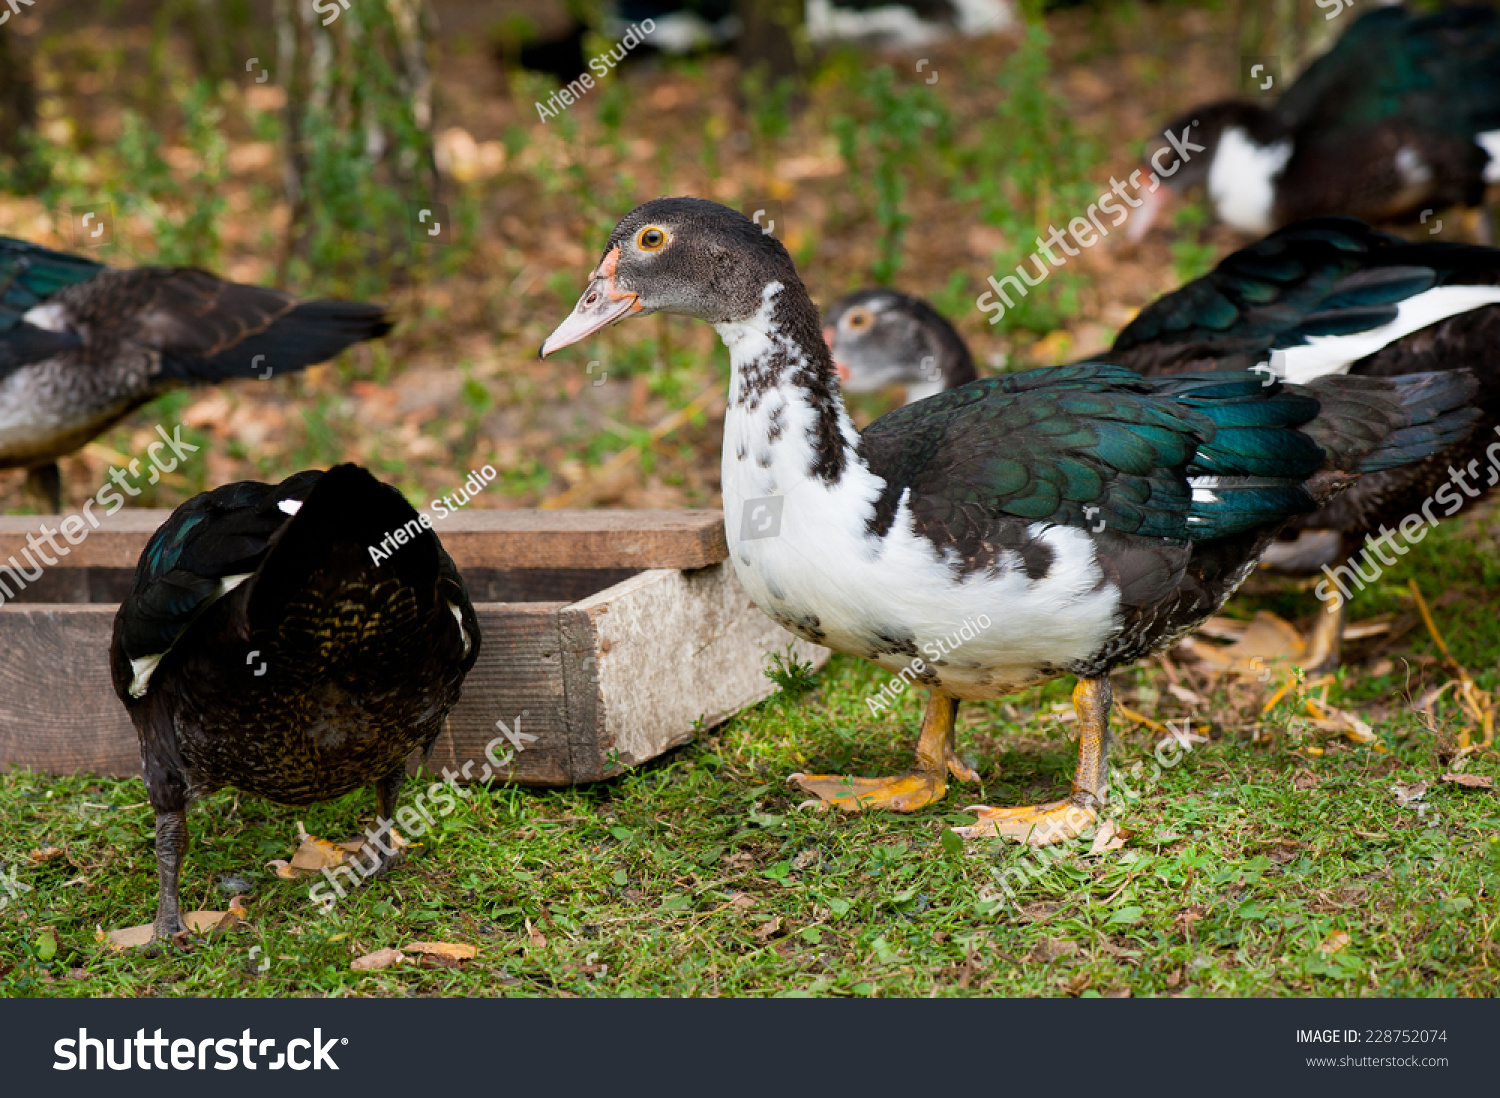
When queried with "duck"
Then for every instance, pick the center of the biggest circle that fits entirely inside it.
(1326, 295)
(683, 27)
(880, 337)
(296, 641)
(1399, 120)
(1074, 519)
(82, 345)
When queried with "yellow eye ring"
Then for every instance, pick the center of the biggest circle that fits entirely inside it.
(650, 239)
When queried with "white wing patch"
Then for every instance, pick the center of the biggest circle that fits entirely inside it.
(1412, 169)
(1490, 143)
(1324, 355)
(50, 317)
(290, 506)
(458, 616)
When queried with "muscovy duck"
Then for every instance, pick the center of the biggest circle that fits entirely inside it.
(264, 647)
(82, 345)
(1092, 515)
(1326, 295)
(1401, 116)
(879, 338)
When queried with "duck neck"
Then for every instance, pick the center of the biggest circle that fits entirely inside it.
(786, 421)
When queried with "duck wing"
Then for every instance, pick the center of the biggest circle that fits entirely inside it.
(30, 276)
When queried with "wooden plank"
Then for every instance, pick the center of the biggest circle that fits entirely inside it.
(612, 680)
(518, 674)
(58, 710)
(59, 713)
(675, 651)
(476, 539)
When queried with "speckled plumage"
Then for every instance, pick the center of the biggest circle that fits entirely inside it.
(358, 661)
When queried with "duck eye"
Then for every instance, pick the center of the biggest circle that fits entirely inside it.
(859, 319)
(650, 239)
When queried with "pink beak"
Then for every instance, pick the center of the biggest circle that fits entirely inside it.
(600, 306)
(1150, 210)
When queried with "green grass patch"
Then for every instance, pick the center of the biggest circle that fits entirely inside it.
(1252, 867)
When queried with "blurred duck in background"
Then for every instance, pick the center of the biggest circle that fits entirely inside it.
(880, 338)
(1397, 122)
(82, 346)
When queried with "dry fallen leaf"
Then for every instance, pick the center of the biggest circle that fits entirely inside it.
(313, 856)
(1470, 781)
(1406, 794)
(1265, 641)
(1329, 718)
(198, 922)
(378, 961)
(1183, 694)
(765, 930)
(1050, 949)
(46, 854)
(457, 950)
(742, 900)
(1108, 836)
(535, 937)
(1333, 943)
(1186, 918)
(1304, 780)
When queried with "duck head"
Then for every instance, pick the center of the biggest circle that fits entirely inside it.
(879, 337)
(1223, 146)
(686, 256)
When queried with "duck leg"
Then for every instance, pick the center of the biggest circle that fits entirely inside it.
(1041, 824)
(45, 482)
(171, 845)
(1326, 639)
(924, 784)
(383, 844)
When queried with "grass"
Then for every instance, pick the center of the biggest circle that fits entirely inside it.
(1255, 866)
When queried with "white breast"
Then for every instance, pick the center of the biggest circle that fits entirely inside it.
(1242, 179)
(820, 562)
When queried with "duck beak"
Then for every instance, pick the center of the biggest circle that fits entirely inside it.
(600, 306)
(838, 367)
(1153, 203)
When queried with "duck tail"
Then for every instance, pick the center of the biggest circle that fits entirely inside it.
(348, 523)
(1367, 424)
(309, 333)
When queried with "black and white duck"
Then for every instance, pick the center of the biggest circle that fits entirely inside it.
(681, 27)
(82, 345)
(1322, 296)
(880, 338)
(1400, 117)
(264, 646)
(1090, 514)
